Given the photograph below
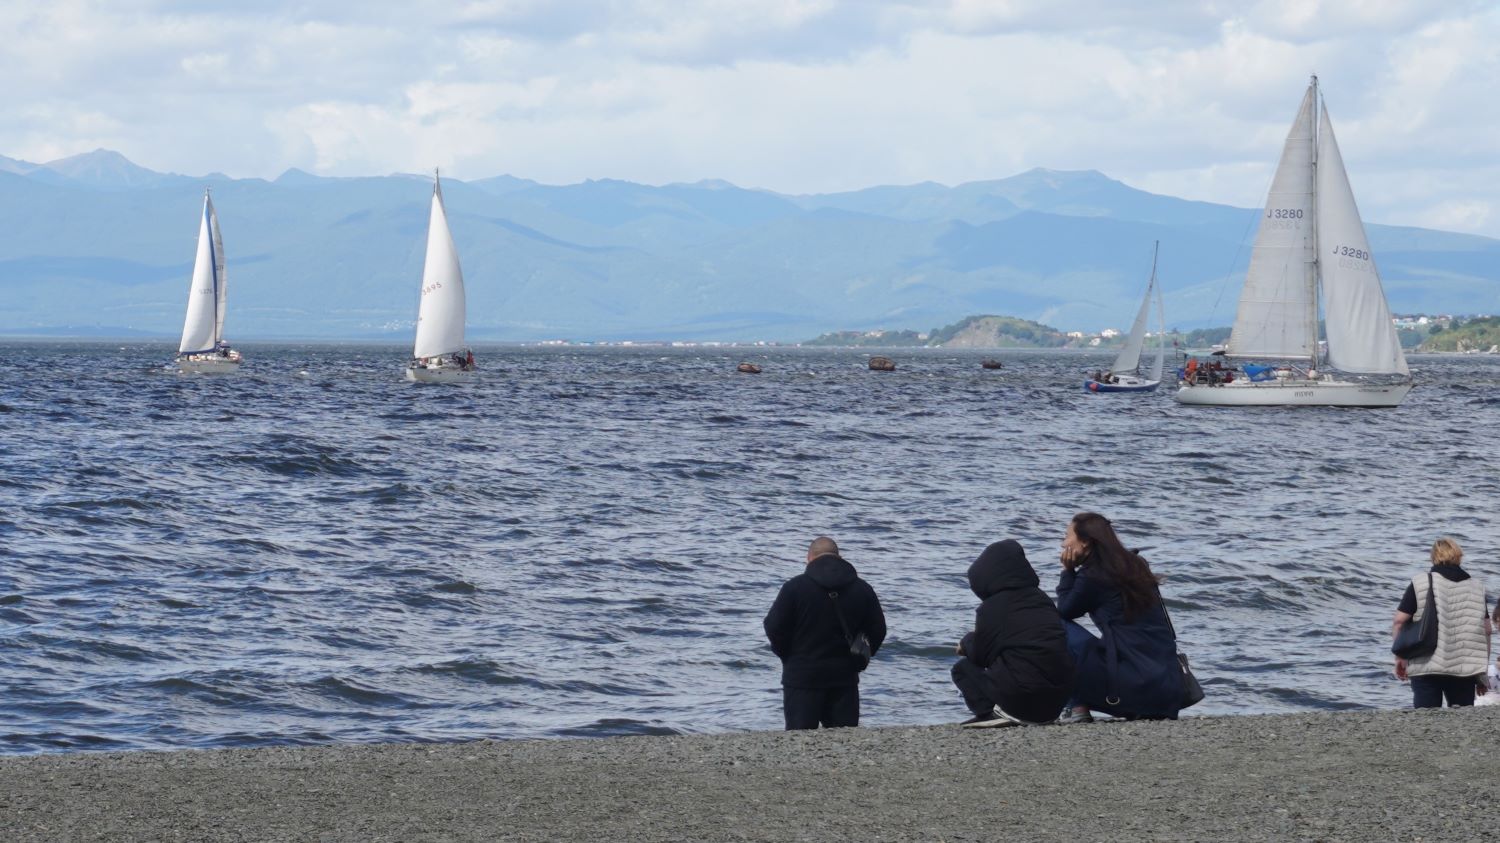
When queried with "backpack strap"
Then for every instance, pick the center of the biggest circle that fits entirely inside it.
(848, 636)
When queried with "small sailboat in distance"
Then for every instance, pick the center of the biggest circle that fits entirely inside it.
(439, 355)
(203, 349)
(1124, 375)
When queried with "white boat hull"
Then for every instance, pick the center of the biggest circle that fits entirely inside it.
(208, 366)
(1293, 393)
(417, 374)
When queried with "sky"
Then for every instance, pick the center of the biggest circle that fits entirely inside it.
(1190, 99)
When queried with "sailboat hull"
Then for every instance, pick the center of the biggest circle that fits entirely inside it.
(1126, 384)
(438, 375)
(1294, 394)
(208, 366)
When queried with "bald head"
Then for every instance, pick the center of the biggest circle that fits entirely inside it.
(821, 546)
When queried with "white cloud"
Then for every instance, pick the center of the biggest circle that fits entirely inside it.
(1190, 99)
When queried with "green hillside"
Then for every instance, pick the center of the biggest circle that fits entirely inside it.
(1480, 334)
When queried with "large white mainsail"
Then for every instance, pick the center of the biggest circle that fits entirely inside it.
(1361, 337)
(1278, 310)
(440, 316)
(203, 327)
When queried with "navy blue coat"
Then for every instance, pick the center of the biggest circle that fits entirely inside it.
(1146, 680)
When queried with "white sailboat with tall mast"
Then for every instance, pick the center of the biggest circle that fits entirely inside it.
(439, 355)
(1124, 375)
(203, 349)
(1311, 249)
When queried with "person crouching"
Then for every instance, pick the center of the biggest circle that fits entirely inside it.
(1015, 666)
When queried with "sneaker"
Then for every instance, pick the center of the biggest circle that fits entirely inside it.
(1073, 715)
(991, 720)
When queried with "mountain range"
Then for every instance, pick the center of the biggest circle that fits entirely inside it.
(96, 244)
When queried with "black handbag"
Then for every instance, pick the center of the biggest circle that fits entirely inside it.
(859, 645)
(1415, 640)
(1192, 692)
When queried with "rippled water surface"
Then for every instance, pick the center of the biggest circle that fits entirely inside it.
(585, 541)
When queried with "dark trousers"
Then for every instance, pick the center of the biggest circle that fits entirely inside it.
(1079, 640)
(974, 685)
(808, 708)
(1428, 690)
(979, 692)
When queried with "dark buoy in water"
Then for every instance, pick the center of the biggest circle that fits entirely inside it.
(748, 368)
(992, 364)
(882, 364)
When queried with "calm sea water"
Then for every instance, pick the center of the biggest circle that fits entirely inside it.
(585, 541)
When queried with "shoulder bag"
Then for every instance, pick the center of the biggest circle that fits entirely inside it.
(859, 645)
(1415, 640)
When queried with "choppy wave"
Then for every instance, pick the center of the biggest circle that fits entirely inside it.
(583, 542)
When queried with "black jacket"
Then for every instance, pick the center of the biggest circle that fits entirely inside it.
(804, 629)
(1018, 636)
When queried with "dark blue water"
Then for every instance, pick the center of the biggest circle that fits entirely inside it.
(585, 541)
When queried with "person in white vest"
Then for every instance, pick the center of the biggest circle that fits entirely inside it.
(1456, 669)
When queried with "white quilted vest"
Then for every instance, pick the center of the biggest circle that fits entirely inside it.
(1461, 649)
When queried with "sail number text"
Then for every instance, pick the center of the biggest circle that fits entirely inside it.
(436, 285)
(1346, 252)
(1283, 213)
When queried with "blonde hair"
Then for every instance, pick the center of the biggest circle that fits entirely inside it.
(1445, 551)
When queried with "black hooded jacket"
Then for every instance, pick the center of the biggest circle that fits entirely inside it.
(804, 630)
(1018, 635)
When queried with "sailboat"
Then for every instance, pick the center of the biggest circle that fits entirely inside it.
(1311, 249)
(440, 355)
(203, 349)
(1124, 374)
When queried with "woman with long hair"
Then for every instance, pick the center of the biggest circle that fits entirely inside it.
(1132, 670)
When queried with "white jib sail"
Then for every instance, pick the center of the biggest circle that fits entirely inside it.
(1277, 315)
(1130, 356)
(1361, 338)
(201, 326)
(440, 316)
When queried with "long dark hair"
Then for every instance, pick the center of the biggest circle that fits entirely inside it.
(1123, 568)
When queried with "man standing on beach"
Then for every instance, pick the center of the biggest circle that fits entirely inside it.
(817, 618)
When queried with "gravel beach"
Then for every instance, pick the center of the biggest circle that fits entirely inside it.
(1391, 775)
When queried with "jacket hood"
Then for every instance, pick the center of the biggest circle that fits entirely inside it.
(1001, 566)
(831, 572)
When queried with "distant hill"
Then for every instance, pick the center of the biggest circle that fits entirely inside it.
(969, 332)
(94, 239)
(998, 332)
(1480, 334)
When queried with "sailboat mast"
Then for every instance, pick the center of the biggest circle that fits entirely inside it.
(1317, 267)
(1150, 286)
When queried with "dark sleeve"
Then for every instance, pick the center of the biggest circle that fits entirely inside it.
(875, 622)
(781, 621)
(978, 648)
(1408, 601)
(1077, 595)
